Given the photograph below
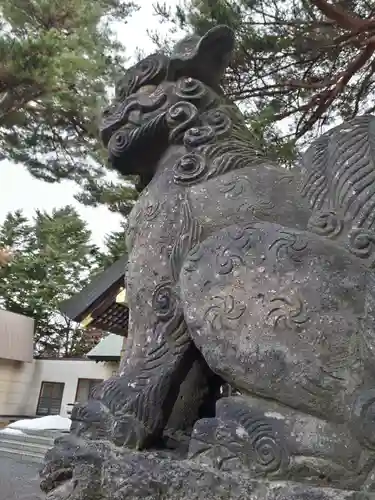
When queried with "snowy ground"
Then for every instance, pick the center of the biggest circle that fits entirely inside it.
(49, 423)
(19, 480)
(14, 432)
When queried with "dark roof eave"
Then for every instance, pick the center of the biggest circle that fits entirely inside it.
(104, 358)
(80, 302)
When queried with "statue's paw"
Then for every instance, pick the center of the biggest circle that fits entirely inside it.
(69, 459)
(91, 420)
(95, 422)
(124, 423)
(59, 462)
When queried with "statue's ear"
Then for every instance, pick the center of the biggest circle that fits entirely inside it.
(204, 58)
(217, 45)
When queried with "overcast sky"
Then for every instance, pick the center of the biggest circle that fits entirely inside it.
(18, 189)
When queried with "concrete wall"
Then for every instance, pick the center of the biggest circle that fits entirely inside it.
(16, 337)
(20, 382)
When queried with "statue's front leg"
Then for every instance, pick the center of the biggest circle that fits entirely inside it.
(167, 388)
(133, 408)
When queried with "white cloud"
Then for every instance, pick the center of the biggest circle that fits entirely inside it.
(19, 190)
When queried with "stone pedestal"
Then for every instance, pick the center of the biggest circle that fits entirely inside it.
(104, 472)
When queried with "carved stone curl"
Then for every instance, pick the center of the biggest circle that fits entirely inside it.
(164, 302)
(362, 244)
(326, 224)
(191, 90)
(189, 169)
(179, 118)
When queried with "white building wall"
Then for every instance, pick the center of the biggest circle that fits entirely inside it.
(16, 337)
(20, 382)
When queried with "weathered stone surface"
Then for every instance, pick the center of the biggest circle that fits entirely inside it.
(283, 314)
(262, 439)
(239, 273)
(105, 471)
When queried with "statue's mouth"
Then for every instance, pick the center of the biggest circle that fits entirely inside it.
(134, 150)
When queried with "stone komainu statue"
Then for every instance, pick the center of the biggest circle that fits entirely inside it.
(239, 272)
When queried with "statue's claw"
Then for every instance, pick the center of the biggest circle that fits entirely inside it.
(59, 462)
(91, 420)
(68, 453)
(94, 421)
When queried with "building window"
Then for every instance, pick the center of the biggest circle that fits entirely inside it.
(84, 388)
(50, 398)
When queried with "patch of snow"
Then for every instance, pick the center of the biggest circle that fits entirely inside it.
(241, 432)
(274, 414)
(51, 422)
(14, 432)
